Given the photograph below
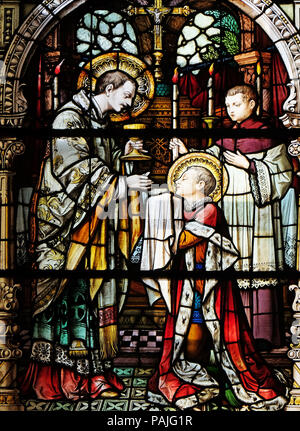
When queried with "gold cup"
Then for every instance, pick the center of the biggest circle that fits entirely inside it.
(135, 154)
(210, 122)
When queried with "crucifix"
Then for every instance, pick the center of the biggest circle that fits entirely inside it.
(158, 11)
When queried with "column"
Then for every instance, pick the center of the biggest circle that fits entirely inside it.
(294, 353)
(297, 13)
(9, 22)
(248, 63)
(9, 350)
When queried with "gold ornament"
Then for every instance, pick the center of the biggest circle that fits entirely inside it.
(203, 160)
(129, 64)
(135, 155)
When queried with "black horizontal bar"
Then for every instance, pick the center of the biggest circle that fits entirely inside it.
(134, 273)
(218, 61)
(218, 133)
(206, 64)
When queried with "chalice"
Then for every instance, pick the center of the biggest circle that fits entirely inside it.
(135, 154)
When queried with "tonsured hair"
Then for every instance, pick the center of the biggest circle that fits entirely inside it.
(116, 78)
(203, 174)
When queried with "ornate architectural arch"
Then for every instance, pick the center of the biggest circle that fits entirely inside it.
(285, 36)
(45, 16)
(42, 19)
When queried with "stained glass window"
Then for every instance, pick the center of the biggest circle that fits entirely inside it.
(208, 36)
(153, 218)
(103, 31)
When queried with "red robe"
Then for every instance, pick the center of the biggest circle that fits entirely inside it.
(251, 371)
(47, 382)
(246, 145)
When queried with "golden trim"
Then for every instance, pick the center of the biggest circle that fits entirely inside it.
(204, 160)
(136, 126)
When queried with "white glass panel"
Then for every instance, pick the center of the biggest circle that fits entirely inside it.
(203, 21)
(212, 31)
(181, 61)
(203, 41)
(82, 47)
(90, 21)
(113, 17)
(190, 32)
(129, 47)
(112, 33)
(118, 29)
(104, 43)
(84, 35)
(188, 49)
(103, 27)
(130, 32)
(195, 59)
(101, 12)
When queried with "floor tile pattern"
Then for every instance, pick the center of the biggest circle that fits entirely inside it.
(133, 398)
(139, 354)
(140, 341)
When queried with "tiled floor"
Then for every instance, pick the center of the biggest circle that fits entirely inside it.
(139, 353)
(140, 341)
(133, 398)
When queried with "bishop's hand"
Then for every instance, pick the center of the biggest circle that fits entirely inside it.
(134, 144)
(140, 182)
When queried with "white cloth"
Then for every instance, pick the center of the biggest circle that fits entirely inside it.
(163, 225)
(252, 210)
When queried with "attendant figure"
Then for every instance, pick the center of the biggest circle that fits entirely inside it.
(260, 209)
(208, 349)
(75, 333)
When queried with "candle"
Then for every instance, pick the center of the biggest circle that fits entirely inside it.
(258, 78)
(175, 99)
(258, 86)
(210, 92)
(55, 85)
(175, 151)
(39, 92)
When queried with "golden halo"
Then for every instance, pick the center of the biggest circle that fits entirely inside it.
(203, 160)
(133, 67)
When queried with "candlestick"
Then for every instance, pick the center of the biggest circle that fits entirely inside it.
(210, 122)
